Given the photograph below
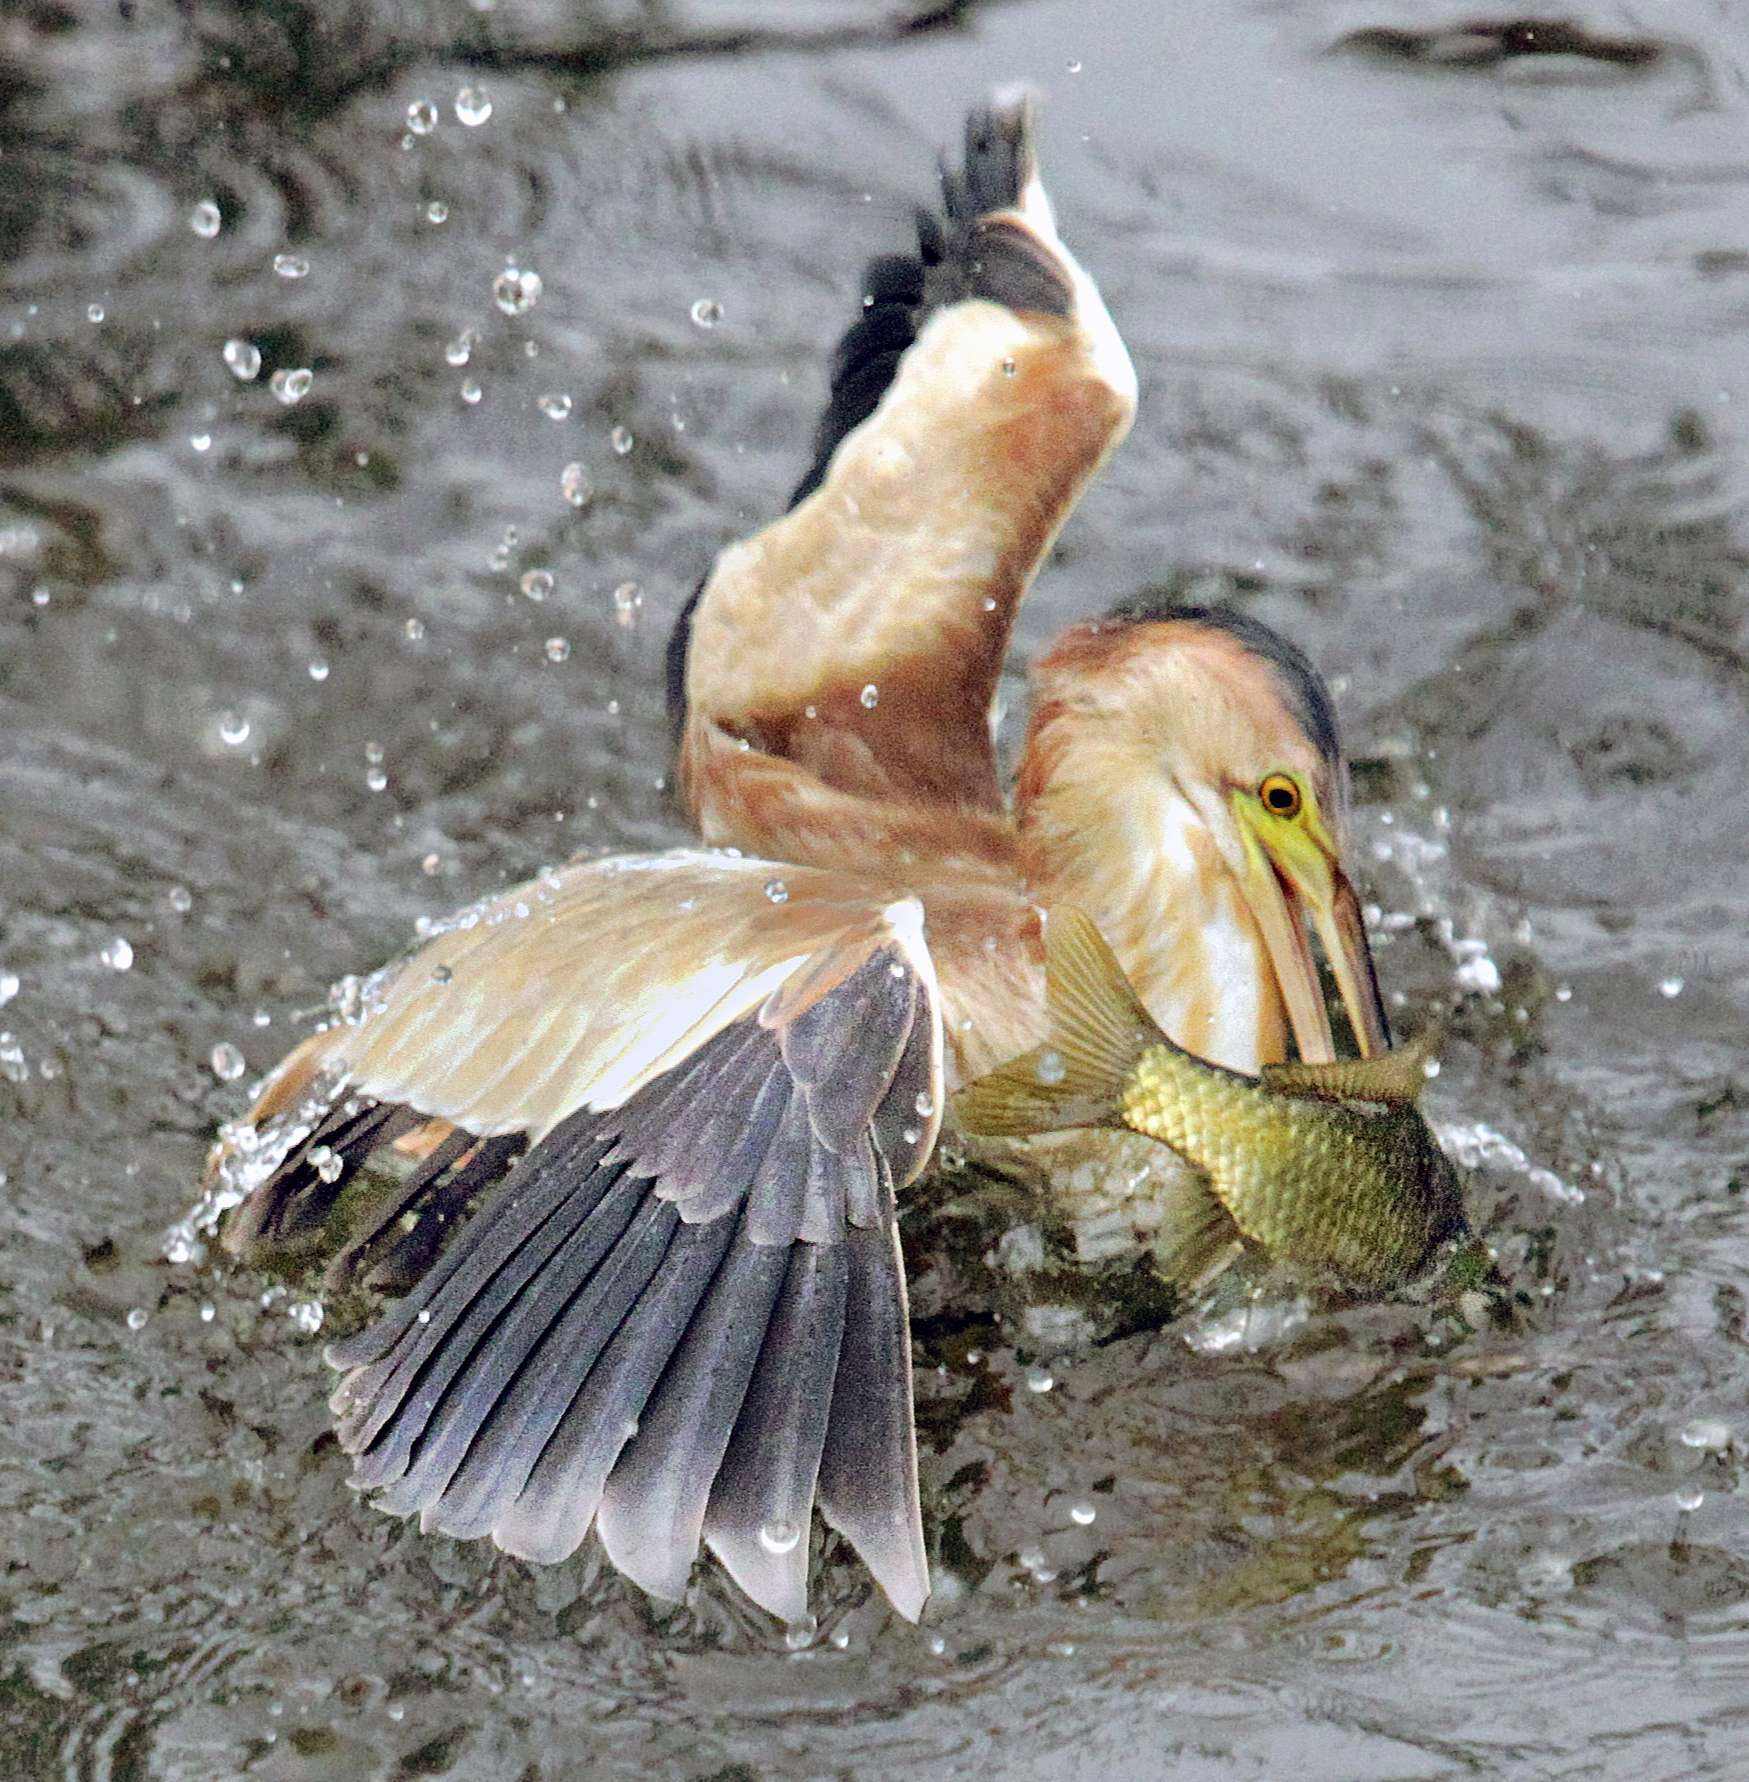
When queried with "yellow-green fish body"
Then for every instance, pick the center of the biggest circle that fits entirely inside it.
(1362, 1191)
(1326, 1167)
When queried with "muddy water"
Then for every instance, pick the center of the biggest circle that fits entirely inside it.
(1444, 343)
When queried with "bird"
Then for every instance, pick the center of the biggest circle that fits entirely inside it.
(649, 1116)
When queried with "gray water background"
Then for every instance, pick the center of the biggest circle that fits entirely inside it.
(1444, 350)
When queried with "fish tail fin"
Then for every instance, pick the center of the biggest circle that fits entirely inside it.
(1397, 1076)
(1097, 1029)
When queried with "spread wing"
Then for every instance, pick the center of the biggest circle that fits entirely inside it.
(981, 387)
(679, 1313)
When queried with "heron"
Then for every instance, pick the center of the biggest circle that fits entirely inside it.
(652, 1114)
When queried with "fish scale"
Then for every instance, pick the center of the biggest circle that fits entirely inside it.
(1366, 1194)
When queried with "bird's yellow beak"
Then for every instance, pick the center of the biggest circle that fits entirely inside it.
(1295, 886)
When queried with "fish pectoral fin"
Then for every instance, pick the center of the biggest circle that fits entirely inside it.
(1197, 1238)
(1397, 1076)
(1098, 1029)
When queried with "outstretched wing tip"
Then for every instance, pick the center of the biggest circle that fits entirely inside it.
(994, 236)
(911, 1598)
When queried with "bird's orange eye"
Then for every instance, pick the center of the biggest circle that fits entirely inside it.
(1280, 796)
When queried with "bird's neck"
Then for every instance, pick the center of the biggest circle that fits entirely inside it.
(1120, 842)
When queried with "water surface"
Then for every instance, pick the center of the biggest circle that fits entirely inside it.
(1443, 333)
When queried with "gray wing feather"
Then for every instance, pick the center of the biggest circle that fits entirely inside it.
(536, 1481)
(652, 1511)
(763, 1498)
(868, 1470)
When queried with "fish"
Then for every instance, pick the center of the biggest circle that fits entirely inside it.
(1328, 1168)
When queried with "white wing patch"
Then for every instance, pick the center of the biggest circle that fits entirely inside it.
(579, 989)
(702, 1006)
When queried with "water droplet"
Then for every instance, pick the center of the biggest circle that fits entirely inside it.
(1051, 1067)
(227, 1062)
(244, 359)
(205, 219)
(1712, 1435)
(291, 265)
(621, 440)
(840, 1637)
(137, 1318)
(471, 392)
(555, 405)
(233, 729)
(1009, 368)
(779, 1536)
(1670, 987)
(306, 1314)
(293, 385)
(94, 312)
(574, 485)
(262, 1018)
(628, 597)
(1039, 1378)
(421, 117)
(1480, 974)
(8, 987)
(180, 899)
(707, 312)
(1082, 1514)
(936, 1644)
(472, 107)
(1074, 67)
(516, 291)
(327, 1163)
(437, 211)
(376, 779)
(208, 1311)
(558, 649)
(117, 953)
(1690, 1500)
(415, 630)
(200, 442)
(800, 1635)
(442, 974)
(460, 350)
(777, 891)
(870, 696)
(318, 670)
(537, 584)
(924, 1104)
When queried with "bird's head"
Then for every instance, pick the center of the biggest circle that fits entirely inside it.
(1183, 780)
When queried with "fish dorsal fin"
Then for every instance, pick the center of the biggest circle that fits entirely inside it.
(1397, 1076)
(1097, 1029)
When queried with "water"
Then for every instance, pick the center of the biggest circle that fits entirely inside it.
(1443, 352)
